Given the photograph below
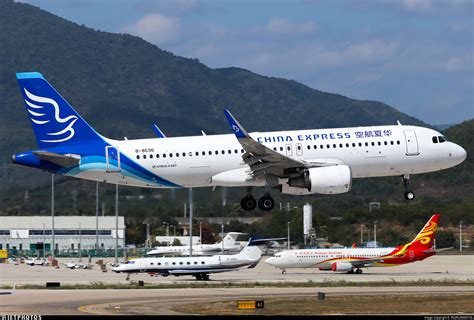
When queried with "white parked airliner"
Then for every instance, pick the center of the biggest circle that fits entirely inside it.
(295, 162)
(228, 244)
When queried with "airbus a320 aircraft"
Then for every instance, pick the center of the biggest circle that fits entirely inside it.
(353, 259)
(298, 162)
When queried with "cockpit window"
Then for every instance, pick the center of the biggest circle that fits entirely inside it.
(441, 139)
(130, 262)
(435, 139)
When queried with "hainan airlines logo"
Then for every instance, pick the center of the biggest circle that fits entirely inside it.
(41, 115)
(426, 234)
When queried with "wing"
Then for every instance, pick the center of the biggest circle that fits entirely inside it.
(265, 161)
(362, 262)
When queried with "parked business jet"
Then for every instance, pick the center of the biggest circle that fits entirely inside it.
(298, 162)
(228, 244)
(353, 259)
(199, 267)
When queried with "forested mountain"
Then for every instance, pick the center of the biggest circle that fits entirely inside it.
(121, 84)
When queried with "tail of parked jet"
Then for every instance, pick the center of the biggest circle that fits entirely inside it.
(55, 122)
(230, 239)
(423, 242)
(424, 239)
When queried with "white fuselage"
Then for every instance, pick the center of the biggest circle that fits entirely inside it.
(322, 258)
(250, 255)
(198, 250)
(375, 151)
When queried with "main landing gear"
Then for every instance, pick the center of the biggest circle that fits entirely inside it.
(265, 203)
(358, 271)
(409, 195)
(202, 276)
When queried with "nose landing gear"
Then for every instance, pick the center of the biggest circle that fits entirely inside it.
(409, 195)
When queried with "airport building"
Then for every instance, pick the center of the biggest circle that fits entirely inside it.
(71, 233)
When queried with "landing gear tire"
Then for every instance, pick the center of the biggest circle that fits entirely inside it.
(358, 271)
(248, 203)
(266, 203)
(198, 277)
(205, 277)
(409, 195)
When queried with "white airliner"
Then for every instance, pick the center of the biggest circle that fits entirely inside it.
(297, 162)
(353, 259)
(228, 244)
(200, 267)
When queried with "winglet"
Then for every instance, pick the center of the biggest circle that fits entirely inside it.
(236, 127)
(158, 132)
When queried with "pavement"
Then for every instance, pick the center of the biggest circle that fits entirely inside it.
(441, 267)
(162, 301)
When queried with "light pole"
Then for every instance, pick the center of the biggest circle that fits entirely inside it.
(116, 223)
(190, 222)
(361, 234)
(375, 233)
(96, 217)
(44, 243)
(52, 216)
(460, 236)
(80, 243)
(222, 236)
(200, 232)
(174, 230)
(147, 241)
(289, 235)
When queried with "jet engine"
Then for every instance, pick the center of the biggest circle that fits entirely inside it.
(325, 180)
(341, 266)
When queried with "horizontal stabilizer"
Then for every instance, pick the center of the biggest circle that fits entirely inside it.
(257, 242)
(436, 250)
(63, 160)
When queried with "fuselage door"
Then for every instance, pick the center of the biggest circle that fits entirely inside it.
(411, 142)
(289, 149)
(112, 159)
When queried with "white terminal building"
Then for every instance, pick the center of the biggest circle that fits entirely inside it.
(70, 232)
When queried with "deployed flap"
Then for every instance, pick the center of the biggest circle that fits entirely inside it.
(63, 160)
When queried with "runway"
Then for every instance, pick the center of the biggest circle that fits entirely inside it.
(160, 301)
(438, 268)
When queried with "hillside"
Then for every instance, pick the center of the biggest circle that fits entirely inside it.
(121, 84)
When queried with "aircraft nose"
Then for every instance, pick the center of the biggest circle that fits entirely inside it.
(270, 260)
(459, 153)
